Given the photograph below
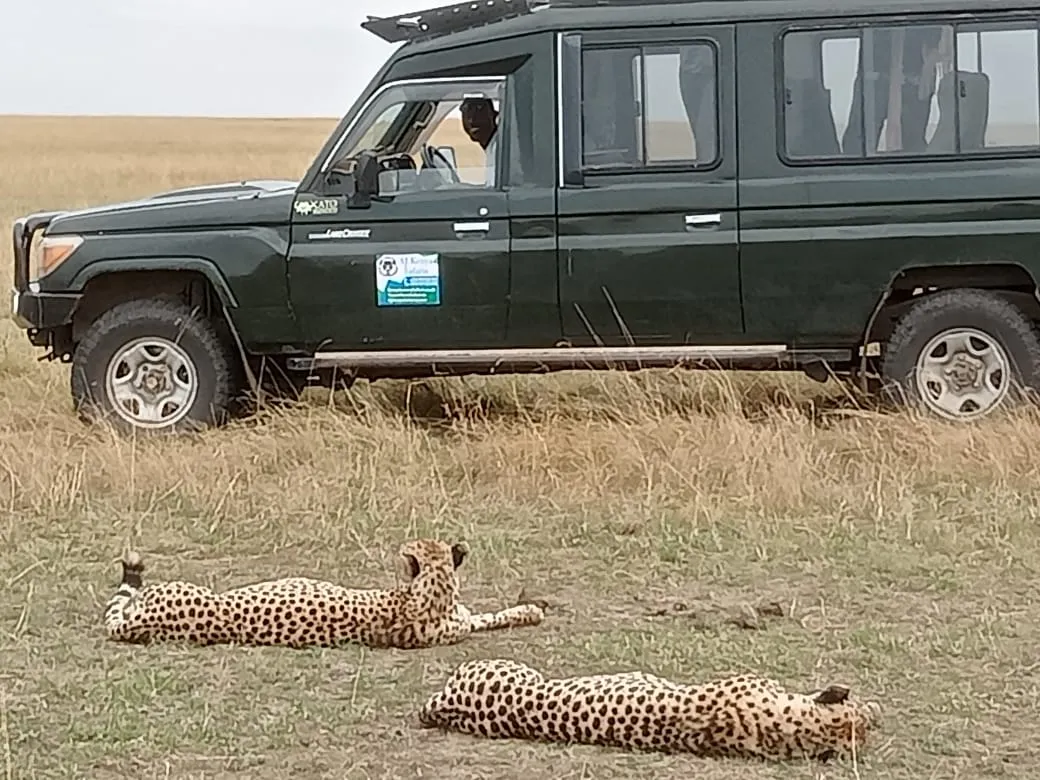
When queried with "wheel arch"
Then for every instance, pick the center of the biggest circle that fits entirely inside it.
(1011, 280)
(194, 281)
(166, 265)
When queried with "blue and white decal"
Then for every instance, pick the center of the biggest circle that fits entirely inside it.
(408, 280)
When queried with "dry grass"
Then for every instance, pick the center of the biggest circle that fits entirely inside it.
(905, 552)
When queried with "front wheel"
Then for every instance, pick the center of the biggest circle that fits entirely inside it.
(152, 365)
(961, 354)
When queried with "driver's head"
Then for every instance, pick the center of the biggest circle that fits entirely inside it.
(479, 119)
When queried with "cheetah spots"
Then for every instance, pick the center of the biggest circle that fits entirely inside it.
(302, 611)
(743, 716)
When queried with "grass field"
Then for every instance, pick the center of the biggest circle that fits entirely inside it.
(646, 509)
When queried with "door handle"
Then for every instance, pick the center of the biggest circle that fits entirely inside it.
(703, 220)
(471, 227)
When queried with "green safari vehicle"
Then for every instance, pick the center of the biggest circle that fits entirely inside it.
(844, 189)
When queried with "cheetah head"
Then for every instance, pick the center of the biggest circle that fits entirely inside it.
(848, 719)
(420, 555)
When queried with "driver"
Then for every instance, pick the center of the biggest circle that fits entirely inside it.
(480, 121)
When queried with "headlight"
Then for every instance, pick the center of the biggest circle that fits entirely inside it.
(49, 252)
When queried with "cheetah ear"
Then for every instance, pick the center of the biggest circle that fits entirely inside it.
(413, 565)
(832, 694)
(459, 551)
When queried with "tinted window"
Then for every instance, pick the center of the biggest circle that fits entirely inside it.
(910, 90)
(647, 106)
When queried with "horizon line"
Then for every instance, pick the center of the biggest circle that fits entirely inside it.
(59, 115)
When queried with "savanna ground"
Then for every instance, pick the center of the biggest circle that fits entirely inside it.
(648, 510)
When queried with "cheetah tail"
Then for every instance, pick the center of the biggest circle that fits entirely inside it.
(118, 611)
(133, 567)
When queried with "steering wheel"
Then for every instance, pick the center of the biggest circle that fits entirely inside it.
(430, 154)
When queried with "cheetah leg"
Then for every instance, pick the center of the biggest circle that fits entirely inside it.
(513, 617)
(120, 610)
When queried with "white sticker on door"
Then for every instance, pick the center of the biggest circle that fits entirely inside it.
(408, 280)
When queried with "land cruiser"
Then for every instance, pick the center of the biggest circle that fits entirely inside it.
(847, 189)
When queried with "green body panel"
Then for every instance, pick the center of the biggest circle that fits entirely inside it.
(811, 277)
(234, 204)
(666, 284)
(534, 308)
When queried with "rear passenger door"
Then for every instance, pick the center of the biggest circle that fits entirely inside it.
(648, 250)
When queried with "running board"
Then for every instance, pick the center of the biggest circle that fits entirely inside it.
(416, 363)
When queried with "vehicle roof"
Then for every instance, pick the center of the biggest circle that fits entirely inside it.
(567, 17)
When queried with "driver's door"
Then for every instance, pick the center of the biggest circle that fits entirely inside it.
(426, 269)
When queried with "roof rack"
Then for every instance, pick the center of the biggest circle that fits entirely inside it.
(448, 19)
(594, 3)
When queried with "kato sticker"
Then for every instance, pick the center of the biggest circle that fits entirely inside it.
(408, 280)
(316, 208)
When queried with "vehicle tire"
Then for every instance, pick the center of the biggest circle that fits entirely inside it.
(152, 365)
(960, 354)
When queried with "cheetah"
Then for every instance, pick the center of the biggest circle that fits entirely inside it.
(304, 612)
(736, 717)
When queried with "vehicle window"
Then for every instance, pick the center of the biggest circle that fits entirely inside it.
(373, 136)
(429, 136)
(999, 67)
(648, 106)
(922, 89)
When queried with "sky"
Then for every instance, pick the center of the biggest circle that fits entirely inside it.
(289, 58)
(194, 57)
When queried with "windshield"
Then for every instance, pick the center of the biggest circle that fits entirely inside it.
(374, 134)
(428, 135)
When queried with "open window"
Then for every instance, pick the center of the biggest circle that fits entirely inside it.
(434, 135)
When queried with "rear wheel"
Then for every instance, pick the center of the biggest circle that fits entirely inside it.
(961, 354)
(152, 365)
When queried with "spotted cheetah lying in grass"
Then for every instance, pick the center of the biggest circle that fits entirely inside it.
(737, 717)
(301, 612)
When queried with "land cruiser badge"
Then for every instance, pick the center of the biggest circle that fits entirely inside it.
(345, 233)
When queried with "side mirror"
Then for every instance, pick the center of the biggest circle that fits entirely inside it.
(366, 181)
(448, 153)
